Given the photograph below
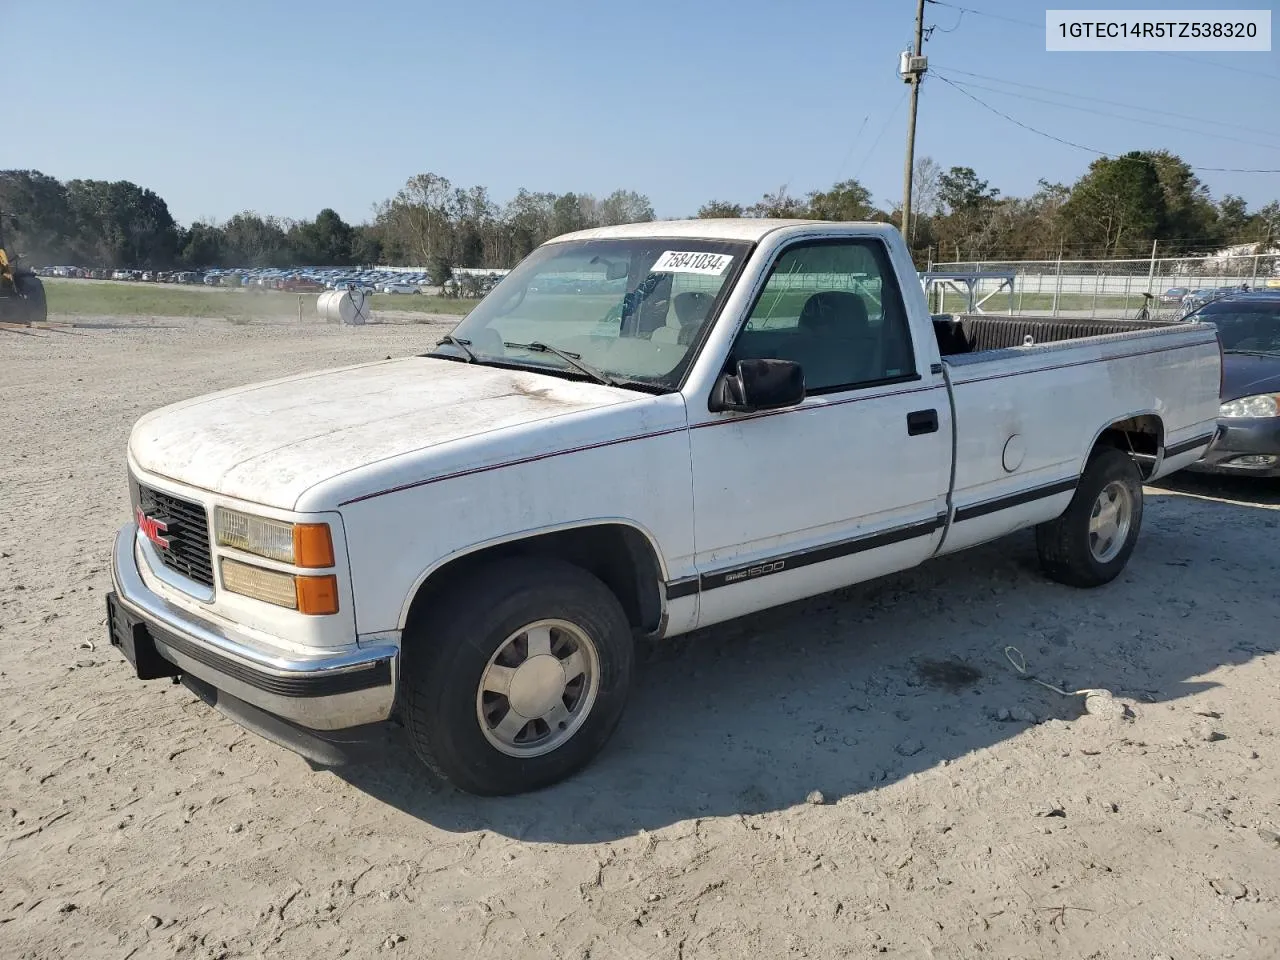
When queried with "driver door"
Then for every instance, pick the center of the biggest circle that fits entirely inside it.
(851, 483)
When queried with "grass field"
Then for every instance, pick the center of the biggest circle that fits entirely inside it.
(88, 298)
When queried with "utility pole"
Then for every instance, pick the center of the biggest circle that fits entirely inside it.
(912, 67)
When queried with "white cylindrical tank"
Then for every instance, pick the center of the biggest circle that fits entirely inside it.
(350, 307)
(363, 307)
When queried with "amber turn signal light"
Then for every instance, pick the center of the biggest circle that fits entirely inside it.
(312, 547)
(317, 596)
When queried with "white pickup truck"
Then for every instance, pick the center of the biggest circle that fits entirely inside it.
(642, 430)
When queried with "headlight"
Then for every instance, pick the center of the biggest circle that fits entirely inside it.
(299, 544)
(317, 596)
(1263, 405)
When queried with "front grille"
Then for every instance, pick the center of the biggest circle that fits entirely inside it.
(187, 531)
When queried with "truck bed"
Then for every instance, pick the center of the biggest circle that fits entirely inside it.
(1027, 414)
(978, 333)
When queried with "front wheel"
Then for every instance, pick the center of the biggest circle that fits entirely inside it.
(1091, 542)
(518, 677)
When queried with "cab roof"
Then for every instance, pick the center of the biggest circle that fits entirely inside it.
(750, 229)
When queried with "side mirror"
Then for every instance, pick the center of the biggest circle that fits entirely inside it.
(759, 385)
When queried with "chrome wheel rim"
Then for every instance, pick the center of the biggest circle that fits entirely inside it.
(538, 688)
(1109, 521)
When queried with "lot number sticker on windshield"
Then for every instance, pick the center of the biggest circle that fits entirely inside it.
(681, 261)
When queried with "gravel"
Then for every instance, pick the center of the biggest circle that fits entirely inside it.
(694, 798)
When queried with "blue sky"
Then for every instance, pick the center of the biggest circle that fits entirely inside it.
(286, 107)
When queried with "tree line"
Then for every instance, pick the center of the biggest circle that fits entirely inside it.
(1116, 209)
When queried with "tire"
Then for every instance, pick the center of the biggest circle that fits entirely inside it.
(31, 292)
(1071, 550)
(473, 737)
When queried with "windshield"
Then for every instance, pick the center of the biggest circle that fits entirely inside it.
(1245, 327)
(632, 310)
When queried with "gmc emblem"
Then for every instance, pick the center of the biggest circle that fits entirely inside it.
(152, 529)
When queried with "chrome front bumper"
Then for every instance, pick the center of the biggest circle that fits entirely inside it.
(331, 690)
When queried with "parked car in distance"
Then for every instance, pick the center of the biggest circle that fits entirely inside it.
(1248, 442)
(1195, 299)
(301, 285)
(400, 288)
(473, 539)
(347, 283)
(1174, 295)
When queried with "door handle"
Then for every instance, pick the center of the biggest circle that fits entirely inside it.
(922, 421)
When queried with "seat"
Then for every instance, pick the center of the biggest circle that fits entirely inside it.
(645, 309)
(835, 313)
(690, 309)
(836, 343)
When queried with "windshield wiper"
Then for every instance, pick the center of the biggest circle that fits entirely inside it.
(573, 359)
(1254, 353)
(461, 344)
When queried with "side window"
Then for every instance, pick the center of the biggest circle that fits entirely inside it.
(834, 308)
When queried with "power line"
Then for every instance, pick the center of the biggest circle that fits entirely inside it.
(1220, 66)
(881, 134)
(1162, 53)
(1101, 113)
(1019, 123)
(1072, 143)
(929, 30)
(852, 146)
(1112, 103)
(983, 13)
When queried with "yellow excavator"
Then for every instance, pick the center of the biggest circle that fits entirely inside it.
(21, 292)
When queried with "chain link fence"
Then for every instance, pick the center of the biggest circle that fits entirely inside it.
(1103, 288)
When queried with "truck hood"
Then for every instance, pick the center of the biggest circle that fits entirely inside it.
(268, 443)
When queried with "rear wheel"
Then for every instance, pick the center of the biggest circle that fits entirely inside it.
(31, 294)
(1091, 542)
(517, 678)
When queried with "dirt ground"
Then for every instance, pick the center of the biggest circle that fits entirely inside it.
(964, 812)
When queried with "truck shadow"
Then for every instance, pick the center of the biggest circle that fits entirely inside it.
(853, 690)
(1241, 490)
